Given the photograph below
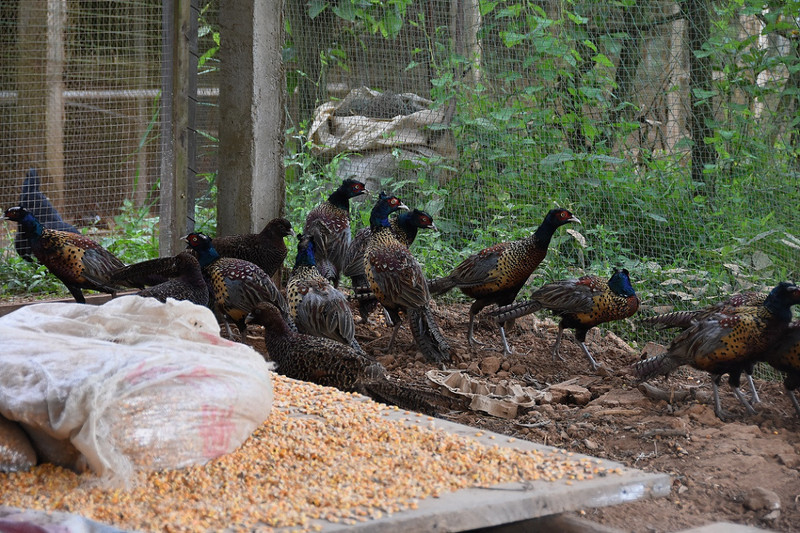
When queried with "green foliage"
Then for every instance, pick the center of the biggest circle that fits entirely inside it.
(135, 234)
(18, 276)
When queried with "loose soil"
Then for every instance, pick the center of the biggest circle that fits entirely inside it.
(743, 471)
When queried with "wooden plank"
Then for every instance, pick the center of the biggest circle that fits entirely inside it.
(91, 299)
(40, 96)
(177, 208)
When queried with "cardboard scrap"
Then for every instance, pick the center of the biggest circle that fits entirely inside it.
(501, 400)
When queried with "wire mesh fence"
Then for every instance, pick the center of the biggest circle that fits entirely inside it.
(80, 94)
(669, 128)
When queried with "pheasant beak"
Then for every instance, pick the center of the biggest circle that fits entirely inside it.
(574, 219)
(402, 206)
(433, 227)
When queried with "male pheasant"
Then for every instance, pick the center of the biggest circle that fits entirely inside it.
(398, 283)
(235, 285)
(329, 225)
(76, 260)
(581, 303)
(727, 343)
(405, 227)
(496, 274)
(684, 319)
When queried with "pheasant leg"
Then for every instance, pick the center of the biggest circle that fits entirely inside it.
(795, 403)
(470, 338)
(753, 393)
(589, 355)
(557, 345)
(742, 399)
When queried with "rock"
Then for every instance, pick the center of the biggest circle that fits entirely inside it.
(760, 498)
(490, 365)
(473, 368)
(651, 349)
(506, 365)
(386, 360)
(620, 398)
(590, 444)
(772, 515)
(790, 460)
(519, 370)
(563, 393)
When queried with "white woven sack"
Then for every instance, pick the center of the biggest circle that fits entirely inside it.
(132, 384)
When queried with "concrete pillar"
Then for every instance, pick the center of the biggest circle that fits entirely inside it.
(250, 183)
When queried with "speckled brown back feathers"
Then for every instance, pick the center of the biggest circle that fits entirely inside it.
(684, 319)
(265, 249)
(316, 306)
(188, 284)
(397, 281)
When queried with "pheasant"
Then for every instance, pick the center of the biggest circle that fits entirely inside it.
(397, 281)
(265, 249)
(727, 343)
(496, 274)
(33, 200)
(72, 258)
(187, 284)
(581, 303)
(684, 319)
(405, 227)
(329, 225)
(334, 364)
(784, 355)
(315, 305)
(235, 285)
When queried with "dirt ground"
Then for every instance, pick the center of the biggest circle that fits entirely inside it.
(744, 470)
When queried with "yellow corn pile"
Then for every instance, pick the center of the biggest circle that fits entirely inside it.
(322, 454)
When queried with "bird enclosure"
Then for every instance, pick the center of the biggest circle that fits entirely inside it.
(669, 128)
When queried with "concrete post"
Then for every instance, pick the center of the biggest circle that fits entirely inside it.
(250, 183)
